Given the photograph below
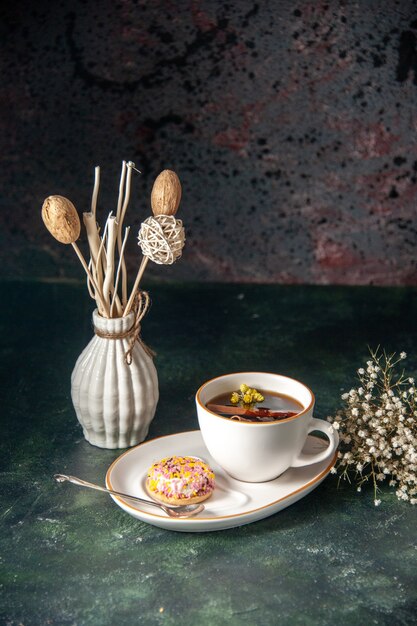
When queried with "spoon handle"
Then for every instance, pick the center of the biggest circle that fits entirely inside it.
(61, 478)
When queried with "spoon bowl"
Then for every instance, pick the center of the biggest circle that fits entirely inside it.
(183, 511)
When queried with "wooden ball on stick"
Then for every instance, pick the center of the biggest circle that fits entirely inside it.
(165, 200)
(166, 193)
(61, 219)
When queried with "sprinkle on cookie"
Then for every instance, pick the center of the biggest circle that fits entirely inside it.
(181, 477)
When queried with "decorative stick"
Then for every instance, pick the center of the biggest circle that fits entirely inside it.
(93, 237)
(142, 268)
(97, 251)
(99, 296)
(99, 255)
(116, 283)
(89, 285)
(119, 210)
(130, 166)
(101, 251)
(102, 259)
(121, 191)
(95, 190)
(111, 242)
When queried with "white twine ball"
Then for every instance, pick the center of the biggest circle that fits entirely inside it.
(162, 238)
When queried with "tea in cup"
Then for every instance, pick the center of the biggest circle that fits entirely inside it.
(253, 442)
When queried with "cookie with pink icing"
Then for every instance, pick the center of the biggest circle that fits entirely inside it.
(180, 480)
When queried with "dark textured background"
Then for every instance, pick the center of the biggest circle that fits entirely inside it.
(291, 125)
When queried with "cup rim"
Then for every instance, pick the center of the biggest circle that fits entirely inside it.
(287, 419)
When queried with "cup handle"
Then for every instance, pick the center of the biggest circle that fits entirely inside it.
(326, 428)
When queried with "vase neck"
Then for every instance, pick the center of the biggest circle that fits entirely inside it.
(112, 325)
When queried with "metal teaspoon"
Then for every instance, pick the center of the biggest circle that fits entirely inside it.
(186, 510)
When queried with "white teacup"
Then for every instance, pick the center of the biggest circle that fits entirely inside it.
(257, 452)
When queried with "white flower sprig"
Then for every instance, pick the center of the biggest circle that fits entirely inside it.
(378, 428)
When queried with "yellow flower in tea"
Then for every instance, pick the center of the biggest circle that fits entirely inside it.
(246, 396)
(234, 398)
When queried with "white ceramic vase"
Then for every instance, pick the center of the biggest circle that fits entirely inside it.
(114, 402)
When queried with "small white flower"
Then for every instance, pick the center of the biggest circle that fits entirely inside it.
(361, 371)
(333, 470)
(403, 355)
(377, 502)
(411, 380)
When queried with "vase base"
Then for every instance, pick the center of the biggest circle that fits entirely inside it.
(114, 443)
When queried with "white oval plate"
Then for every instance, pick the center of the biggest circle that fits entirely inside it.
(233, 502)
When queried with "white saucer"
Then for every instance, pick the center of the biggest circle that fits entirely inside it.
(233, 502)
